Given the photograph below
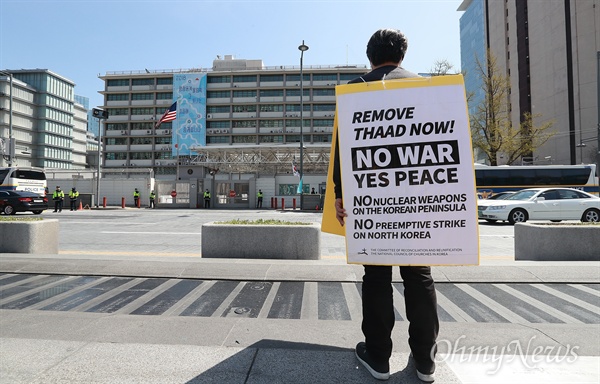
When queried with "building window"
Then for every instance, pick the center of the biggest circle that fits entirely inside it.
(142, 82)
(323, 122)
(218, 124)
(267, 78)
(118, 111)
(244, 108)
(323, 107)
(218, 94)
(217, 139)
(163, 140)
(305, 76)
(244, 139)
(142, 125)
(296, 92)
(324, 76)
(296, 107)
(322, 138)
(164, 96)
(140, 155)
(218, 79)
(244, 93)
(116, 127)
(218, 109)
(271, 107)
(117, 83)
(296, 138)
(164, 81)
(271, 123)
(324, 92)
(142, 96)
(116, 156)
(116, 141)
(142, 111)
(271, 93)
(244, 79)
(117, 97)
(244, 123)
(140, 140)
(271, 139)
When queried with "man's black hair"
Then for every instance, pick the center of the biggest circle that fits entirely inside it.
(386, 45)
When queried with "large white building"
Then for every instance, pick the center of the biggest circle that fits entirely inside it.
(38, 110)
(246, 124)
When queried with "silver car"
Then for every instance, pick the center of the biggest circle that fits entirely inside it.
(553, 204)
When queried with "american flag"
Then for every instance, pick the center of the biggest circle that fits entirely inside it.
(170, 115)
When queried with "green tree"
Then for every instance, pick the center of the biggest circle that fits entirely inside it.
(492, 130)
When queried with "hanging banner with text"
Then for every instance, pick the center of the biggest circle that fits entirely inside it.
(407, 172)
(189, 90)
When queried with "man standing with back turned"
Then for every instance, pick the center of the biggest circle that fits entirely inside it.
(385, 51)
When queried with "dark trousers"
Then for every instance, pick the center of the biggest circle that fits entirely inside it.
(58, 205)
(378, 311)
(136, 201)
(73, 204)
(206, 203)
(259, 203)
(151, 203)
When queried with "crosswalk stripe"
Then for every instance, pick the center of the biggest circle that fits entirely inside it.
(493, 305)
(151, 294)
(264, 311)
(44, 287)
(310, 302)
(186, 301)
(68, 293)
(221, 308)
(538, 304)
(453, 310)
(569, 298)
(583, 288)
(353, 300)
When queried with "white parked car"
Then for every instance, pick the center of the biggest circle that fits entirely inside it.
(553, 204)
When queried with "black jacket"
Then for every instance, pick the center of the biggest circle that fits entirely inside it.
(381, 73)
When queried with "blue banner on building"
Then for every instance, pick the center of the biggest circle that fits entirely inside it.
(189, 129)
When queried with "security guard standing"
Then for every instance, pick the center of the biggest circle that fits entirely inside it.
(259, 199)
(152, 197)
(73, 196)
(58, 196)
(206, 199)
(136, 198)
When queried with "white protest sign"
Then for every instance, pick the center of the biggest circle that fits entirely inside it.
(407, 172)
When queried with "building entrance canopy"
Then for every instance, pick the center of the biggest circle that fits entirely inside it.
(263, 159)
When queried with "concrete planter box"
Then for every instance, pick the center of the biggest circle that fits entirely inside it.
(29, 236)
(239, 241)
(559, 242)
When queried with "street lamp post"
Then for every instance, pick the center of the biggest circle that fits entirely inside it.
(10, 116)
(100, 114)
(303, 47)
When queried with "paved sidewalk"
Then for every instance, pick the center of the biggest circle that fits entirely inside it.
(41, 346)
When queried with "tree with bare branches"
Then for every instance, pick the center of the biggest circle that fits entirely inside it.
(492, 130)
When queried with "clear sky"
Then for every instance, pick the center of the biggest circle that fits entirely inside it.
(79, 39)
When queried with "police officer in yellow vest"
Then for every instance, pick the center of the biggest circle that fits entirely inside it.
(207, 199)
(259, 199)
(58, 196)
(73, 196)
(136, 198)
(152, 198)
